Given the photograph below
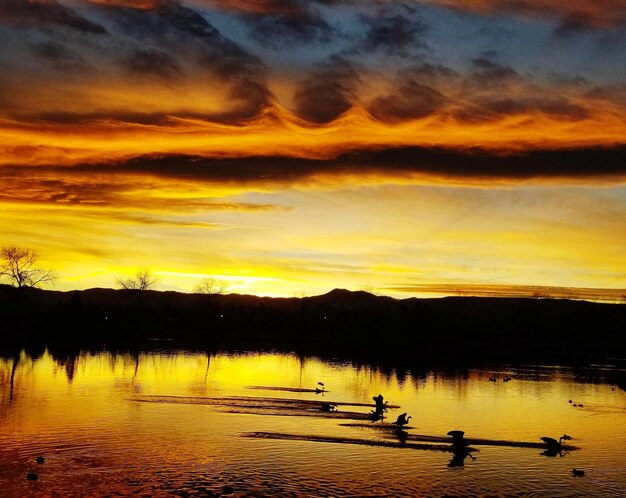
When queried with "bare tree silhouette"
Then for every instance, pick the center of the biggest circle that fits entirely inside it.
(21, 267)
(141, 281)
(211, 287)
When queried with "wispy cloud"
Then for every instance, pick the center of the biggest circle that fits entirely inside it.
(44, 14)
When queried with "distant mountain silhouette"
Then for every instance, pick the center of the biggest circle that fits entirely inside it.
(452, 328)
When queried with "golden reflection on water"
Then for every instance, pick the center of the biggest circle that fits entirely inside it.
(99, 416)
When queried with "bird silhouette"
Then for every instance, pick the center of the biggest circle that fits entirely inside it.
(555, 446)
(375, 416)
(457, 438)
(381, 406)
(402, 420)
(578, 473)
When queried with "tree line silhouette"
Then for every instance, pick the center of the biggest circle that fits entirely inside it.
(349, 324)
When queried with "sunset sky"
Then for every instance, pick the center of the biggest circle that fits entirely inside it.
(290, 147)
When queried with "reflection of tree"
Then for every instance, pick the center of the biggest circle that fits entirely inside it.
(208, 364)
(69, 362)
(136, 358)
(16, 361)
(8, 374)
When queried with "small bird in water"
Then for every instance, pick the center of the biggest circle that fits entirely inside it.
(40, 459)
(578, 473)
(32, 476)
(493, 379)
(402, 420)
(320, 389)
(328, 407)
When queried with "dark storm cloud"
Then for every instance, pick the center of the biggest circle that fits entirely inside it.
(40, 14)
(245, 75)
(488, 73)
(329, 91)
(410, 100)
(573, 24)
(170, 24)
(463, 164)
(165, 19)
(494, 109)
(598, 14)
(395, 30)
(152, 62)
(493, 91)
(432, 73)
(60, 57)
(613, 93)
(281, 22)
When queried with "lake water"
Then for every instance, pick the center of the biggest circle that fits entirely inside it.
(180, 423)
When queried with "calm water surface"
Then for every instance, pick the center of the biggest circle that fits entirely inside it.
(157, 424)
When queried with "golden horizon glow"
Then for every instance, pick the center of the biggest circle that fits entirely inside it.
(289, 148)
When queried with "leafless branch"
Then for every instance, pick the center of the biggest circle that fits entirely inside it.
(211, 286)
(141, 281)
(20, 266)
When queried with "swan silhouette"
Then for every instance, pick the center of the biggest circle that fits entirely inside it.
(554, 443)
(555, 447)
(402, 420)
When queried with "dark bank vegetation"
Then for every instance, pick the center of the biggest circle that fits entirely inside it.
(339, 324)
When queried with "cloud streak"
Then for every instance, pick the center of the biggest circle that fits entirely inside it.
(463, 164)
(594, 15)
